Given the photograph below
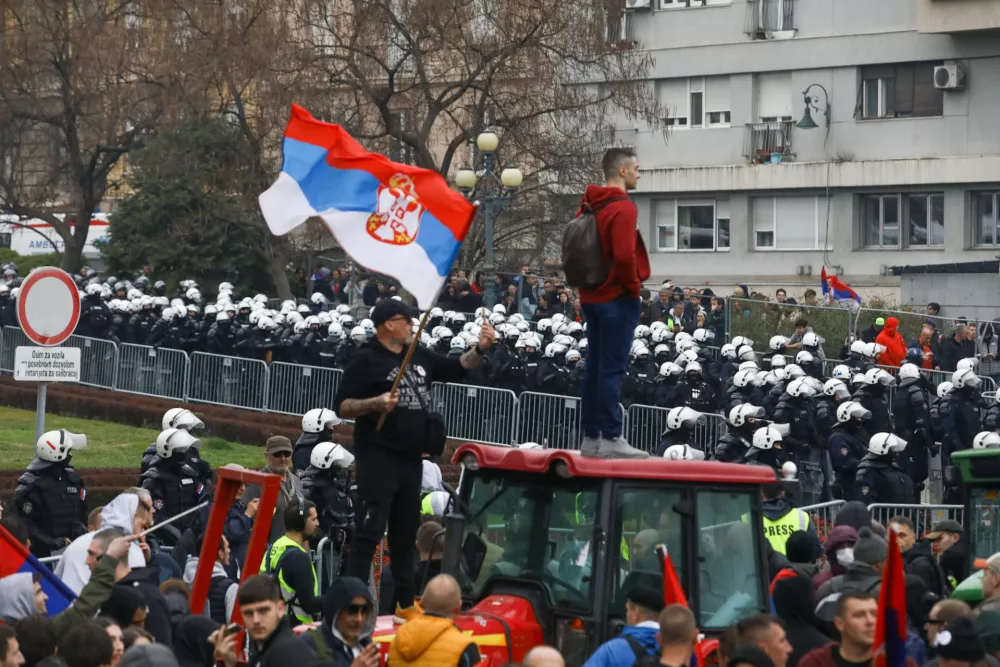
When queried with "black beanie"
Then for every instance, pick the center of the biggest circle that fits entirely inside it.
(959, 641)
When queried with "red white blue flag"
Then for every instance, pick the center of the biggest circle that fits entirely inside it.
(835, 289)
(15, 558)
(395, 219)
(890, 628)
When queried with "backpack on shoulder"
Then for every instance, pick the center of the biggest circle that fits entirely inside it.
(642, 657)
(582, 254)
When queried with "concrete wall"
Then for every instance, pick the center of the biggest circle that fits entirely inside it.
(971, 295)
(945, 16)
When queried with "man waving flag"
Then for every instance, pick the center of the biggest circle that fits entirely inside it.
(395, 219)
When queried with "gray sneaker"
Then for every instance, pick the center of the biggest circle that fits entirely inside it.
(590, 446)
(618, 448)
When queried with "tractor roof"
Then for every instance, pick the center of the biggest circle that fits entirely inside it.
(571, 463)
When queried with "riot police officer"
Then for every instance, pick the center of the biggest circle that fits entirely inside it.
(835, 393)
(317, 426)
(744, 421)
(183, 419)
(50, 496)
(796, 408)
(991, 420)
(666, 393)
(553, 376)
(785, 376)
(966, 404)
(941, 412)
(879, 478)
(696, 393)
(95, 318)
(847, 447)
(640, 379)
(326, 482)
(767, 449)
(741, 390)
(221, 337)
(912, 419)
(681, 424)
(173, 484)
(872, 395)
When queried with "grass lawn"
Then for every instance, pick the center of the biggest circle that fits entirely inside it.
(108, 445)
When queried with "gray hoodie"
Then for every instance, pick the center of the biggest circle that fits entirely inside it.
(191, 568)
(17, 597)
(119, 513)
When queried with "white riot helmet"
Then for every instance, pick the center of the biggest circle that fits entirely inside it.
(56, 446)
(558, 318)
(683, 416)
(965, 377)
(944, 389)
(670, 368)
(687, 358)
(765, 438)
(811, 340)
(970, 363)
(318, 298)
(681, 337)
(685, 345)
(779, 361)
(335, 330)
(778, 343)
(760, 379)
(255, 316)
(499, 308)
(804, 357)
(849, 410)
(193, 295)
(544, 325)
(174, 440)
(267, 324)
(728, 351)
(908, 371)
(93, 289)
(704, 335)
(741, 413)
(641, 331)
(836, 388)
(858, 347)
(326, 455)
(873, 350)
(497, 319)
(746, 353)
(744, 378)
(358, 334)
(640, 350)
(749, 365)
(739, 341)
(791, 371)
(368, 326)
(457, 343)
(885, 443)
(683, 453)
(553, 350)
(800, 387)
(318, 419)
(662, 348)
(877, 376)
(181, 418)
(987, 440)
(572, 356)
(842, 372)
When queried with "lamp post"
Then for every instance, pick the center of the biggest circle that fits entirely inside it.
(495, 194)
(812, 103)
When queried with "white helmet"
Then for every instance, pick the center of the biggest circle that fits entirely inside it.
(693, 366)
(513, 319)
(739, 341)
(553, 350)
(858, 347)
(55, 446)
(907, 371)
(482, 311)
(681, 337)
(558, 318)
(323, 317)
(670, 368)
(499, 308)
(836, 388)
(741, 413)
(760, 379)
(261, 298)
(873, 350)
(877, 376)
(358, 334)
(841, 372)
(544, 324)
(443, 332)
(765, 438)
(728, 351)
(335, 330)
(704, 335)
(849, 410)
(804, 357)
(791, 371)
(970, 363)
(745, 353)
(497, 318)
(661, 335)
(685, 345)
(368, 326)
(93, 289)
(267, 324)
(300, 327)
(641, 331)
(688, 357)
(318, 419)
(317, 298)
(884, 443)
(572, 355)
(683, 453)
(778, 343)
(987, 440)
(812, 340)
(800, 387)
(640, 350)
(965, 377)
(174, 440)
(193, 295)
(181, 418)
(751, 365)
(944, 389)
(744, 378)
(326, 455)
(661, 348)
(457, 343)
(255, 316)
(683, 416)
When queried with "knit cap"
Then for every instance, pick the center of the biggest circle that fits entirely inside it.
(870, 548)
(959, 641)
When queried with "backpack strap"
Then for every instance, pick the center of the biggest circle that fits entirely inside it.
(638, 649)
(587, 207)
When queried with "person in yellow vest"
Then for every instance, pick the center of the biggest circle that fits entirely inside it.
(432, 639)
(781, 518)
(289, 562)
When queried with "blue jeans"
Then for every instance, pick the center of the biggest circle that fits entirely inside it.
(610, 328)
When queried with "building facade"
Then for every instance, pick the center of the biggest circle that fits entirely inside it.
(902, 166)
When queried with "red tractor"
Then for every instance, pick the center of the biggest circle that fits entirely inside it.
(546, 543)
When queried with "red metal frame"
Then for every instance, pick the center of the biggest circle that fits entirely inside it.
(226, 488)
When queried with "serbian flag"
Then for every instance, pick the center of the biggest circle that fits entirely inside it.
(395, 219)
(673, 593)
(890, 627)
(15, 558)
(834, 289)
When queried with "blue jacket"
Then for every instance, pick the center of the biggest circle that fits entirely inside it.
(618, 652)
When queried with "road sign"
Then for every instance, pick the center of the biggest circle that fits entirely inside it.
(48, 306)
(47, 364)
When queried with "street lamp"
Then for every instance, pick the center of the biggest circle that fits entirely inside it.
(494, 194)
(812, 103)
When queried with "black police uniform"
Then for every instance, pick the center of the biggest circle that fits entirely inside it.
(797, 412)
(95, 318)
(873, 398)
(912, 418)
(221, 338)
(848, 445)
(774, 458)
(51, 499)
(175, 487)
(825, 416)
(991, 420)
(697, 394)
(330, 490)
(388, 466)
(304, 446)
(737, 441)
(880, 480)
(640, 381)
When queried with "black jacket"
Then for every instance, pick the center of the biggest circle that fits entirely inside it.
(281, 649)
(921, 563)
(328, 648)
(793, 604)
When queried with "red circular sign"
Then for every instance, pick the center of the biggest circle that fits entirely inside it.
(48, 306)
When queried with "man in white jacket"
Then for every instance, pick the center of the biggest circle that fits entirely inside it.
(132, 512)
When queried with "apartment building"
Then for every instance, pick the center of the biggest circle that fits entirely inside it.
(858, 134)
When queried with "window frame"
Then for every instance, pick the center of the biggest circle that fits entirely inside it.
(977, 220)
(685, 120)
(929, 212)
(726, 119)
(903, 222)
(773, 231)
(895, 102)
(881, 102)
(678, 204)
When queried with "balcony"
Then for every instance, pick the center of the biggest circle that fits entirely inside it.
(770, 19)
(768, 142)
(957, 16)
(618, 138)
(619, 28)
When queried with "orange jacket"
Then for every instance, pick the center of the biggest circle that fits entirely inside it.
(894, 343)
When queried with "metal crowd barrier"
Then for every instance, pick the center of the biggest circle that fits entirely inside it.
(480, 414)
(152, 371)
(645, 426)
(98, 360)
(552, 421)
(231, 381)
(822, 516)
(922, 516)
(295, 390)
(13, 338)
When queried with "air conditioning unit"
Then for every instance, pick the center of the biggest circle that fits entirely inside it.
(949, 77)
(637, 4)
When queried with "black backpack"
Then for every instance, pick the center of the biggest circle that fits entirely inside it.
(642, 657)
(582, 255)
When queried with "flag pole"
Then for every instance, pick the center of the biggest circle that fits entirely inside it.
(406, 362)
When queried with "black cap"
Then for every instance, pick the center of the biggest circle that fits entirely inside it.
(386, 309)
(646, 597)
(946, 526)
(959, 641)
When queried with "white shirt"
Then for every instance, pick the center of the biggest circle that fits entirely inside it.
(431, 478)
(356, 649)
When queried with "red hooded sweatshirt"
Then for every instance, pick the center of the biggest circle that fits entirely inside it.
(895, 344)
(622, 245)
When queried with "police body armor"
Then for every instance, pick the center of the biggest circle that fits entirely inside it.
(329, 490)
(63, 497)
(825, 417)
(991, 421)
(174, 488)
(846, 452)
(873, 399)
(880, 478)
(912, 418)
(699, 396)
(734, 445)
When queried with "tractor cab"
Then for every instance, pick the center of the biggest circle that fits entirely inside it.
(546, 544)
(980, 473)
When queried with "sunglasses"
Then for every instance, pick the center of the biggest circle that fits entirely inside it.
(281, 455)
(355, 609)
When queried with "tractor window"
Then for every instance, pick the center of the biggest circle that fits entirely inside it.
(729, 571)
(984, 533)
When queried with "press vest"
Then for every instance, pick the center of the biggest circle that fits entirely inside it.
(288, 594)
(777, 531)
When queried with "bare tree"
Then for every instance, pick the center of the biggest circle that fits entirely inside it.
(81, 82)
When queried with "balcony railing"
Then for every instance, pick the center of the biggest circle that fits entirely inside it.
(768, 142)
(619, 138)
(619, 28)
(766, 17)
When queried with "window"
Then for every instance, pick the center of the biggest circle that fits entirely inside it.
(691, 224)
(696, 109)
(986, 221)
(696, 102)
(718, 118)
(679, 4)
(729, 576)
(916, 219)
(899, 91)
(774, 96)
(788, 223)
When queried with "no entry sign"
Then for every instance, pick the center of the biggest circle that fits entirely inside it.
(48, 306)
